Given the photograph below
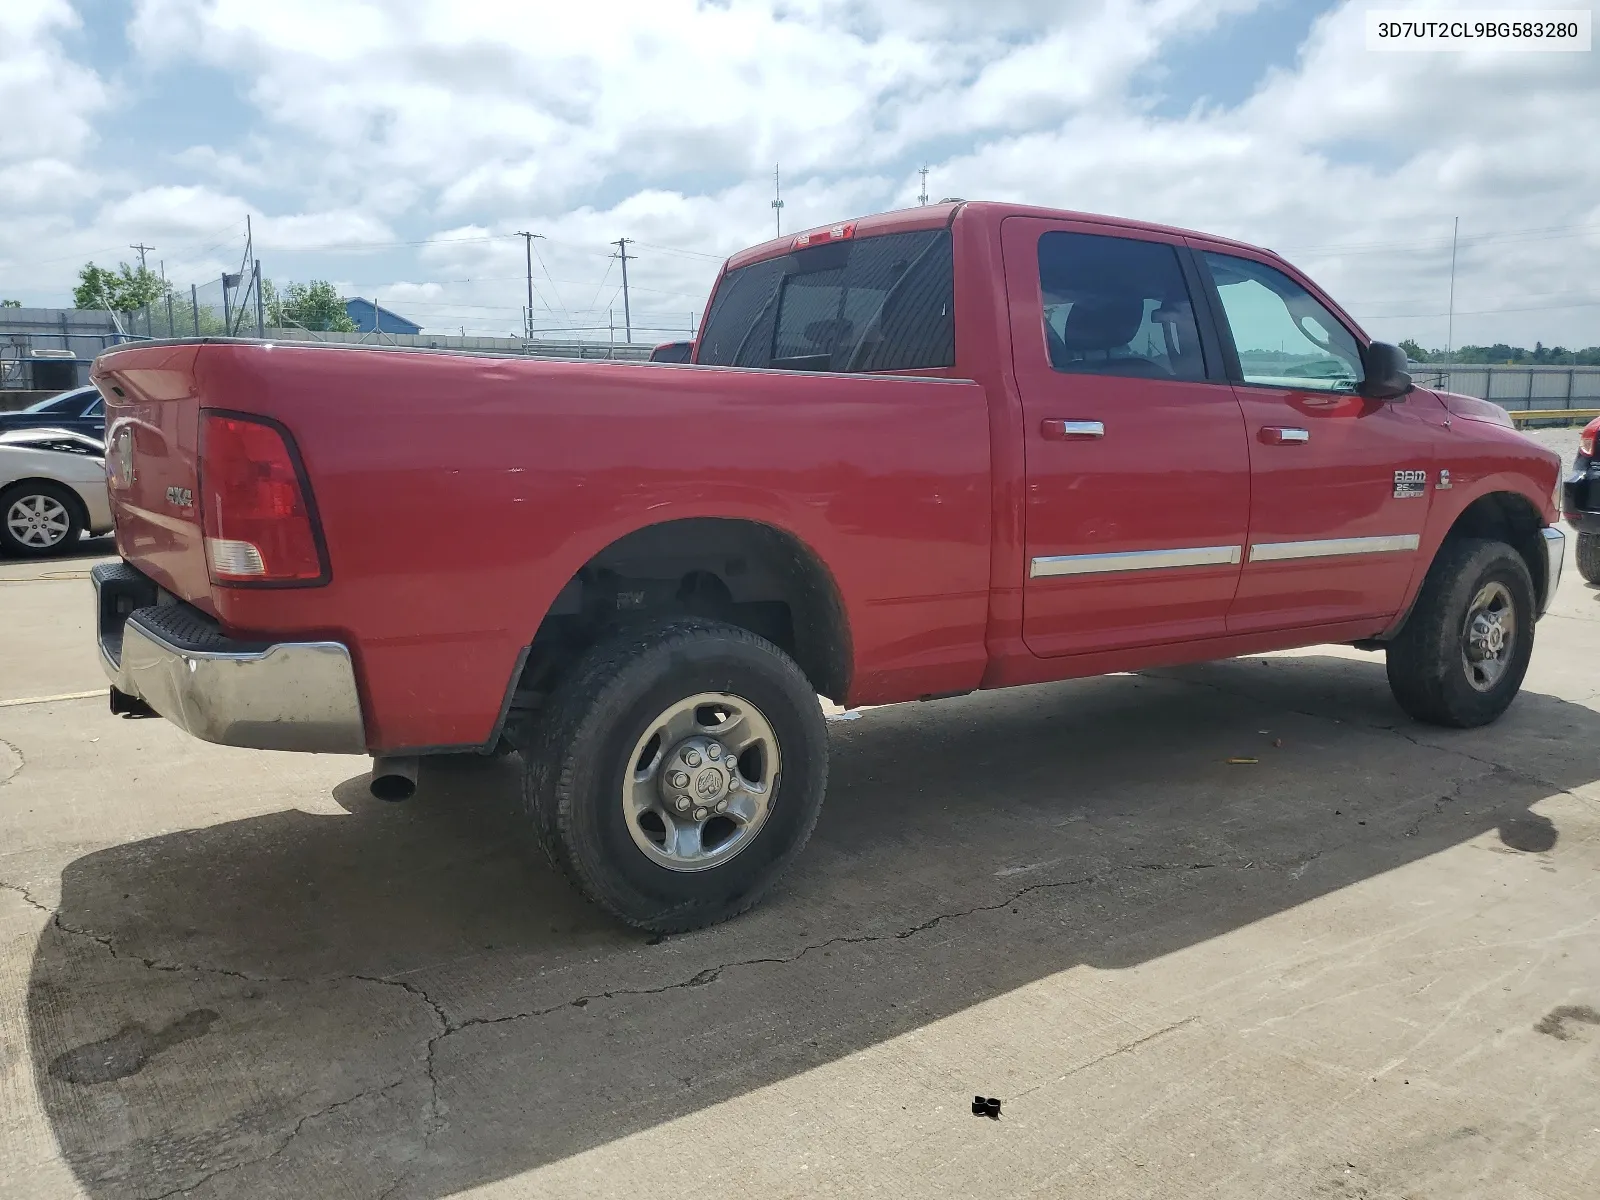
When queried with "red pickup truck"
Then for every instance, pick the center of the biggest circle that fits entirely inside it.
(964, 446)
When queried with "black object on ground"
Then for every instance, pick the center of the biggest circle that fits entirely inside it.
(986, 1106)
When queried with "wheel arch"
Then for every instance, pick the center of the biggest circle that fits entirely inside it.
(747, 572)
(1512, 518)
(1498, 513)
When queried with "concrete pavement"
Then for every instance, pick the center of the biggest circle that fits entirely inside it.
(1367, 964)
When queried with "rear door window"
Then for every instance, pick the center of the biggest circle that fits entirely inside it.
(1117, 306)
(875, 304)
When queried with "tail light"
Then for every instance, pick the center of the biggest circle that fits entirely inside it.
(1586, 438)
(255, 505)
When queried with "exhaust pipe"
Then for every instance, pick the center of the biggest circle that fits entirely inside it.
(394, 779)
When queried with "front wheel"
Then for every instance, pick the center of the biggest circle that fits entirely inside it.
(1460, 659)
(1589, 556)
(677, 772)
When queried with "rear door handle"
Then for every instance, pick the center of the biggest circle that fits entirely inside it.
(1072, 431)
(1282, 435)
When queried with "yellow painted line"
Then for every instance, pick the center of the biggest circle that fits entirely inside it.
(1554, 414)
(51, 699)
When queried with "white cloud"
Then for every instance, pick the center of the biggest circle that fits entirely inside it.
(384, 123)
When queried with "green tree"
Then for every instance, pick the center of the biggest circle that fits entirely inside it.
(316, 305)
(126, 289)
(1413, 351)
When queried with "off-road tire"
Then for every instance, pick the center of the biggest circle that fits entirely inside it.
(61, 494)
(1426, 672)
(1589, 556)
(577, 747)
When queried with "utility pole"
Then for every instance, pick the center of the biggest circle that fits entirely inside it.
(527, 239)
(922, 196)
(627, 313)
(777, 199)
(143, 250)
(1450, 325)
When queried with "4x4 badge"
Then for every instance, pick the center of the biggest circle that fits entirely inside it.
(1408, 485)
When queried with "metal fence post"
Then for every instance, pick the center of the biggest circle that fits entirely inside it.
(1571, 381)
(227, 309)
(194, 301)
(172, 327)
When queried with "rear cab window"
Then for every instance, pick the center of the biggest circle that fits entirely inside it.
(881, 303)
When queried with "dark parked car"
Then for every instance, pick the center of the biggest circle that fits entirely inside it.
(82, 410)
(1580, 502)
(676, 352)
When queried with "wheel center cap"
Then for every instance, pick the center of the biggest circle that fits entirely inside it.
(696, 775)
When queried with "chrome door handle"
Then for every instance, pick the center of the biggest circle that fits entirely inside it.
(1072, 431)
(1278, 435)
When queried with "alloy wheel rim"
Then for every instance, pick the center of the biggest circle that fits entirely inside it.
(700, 781)
(38, 521)
(1488, 636)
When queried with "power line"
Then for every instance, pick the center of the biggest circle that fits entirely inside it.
(143, 250)
(1593, 302)
(553, 287)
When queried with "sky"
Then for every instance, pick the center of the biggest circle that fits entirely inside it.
(397, 148)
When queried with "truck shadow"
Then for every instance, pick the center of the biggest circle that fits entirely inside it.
(319, 1004)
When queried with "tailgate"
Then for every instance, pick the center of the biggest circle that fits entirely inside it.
(152, 464)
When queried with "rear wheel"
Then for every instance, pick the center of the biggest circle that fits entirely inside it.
(1589, 556)
(38, 518)
(677, 772)
(1461, 657)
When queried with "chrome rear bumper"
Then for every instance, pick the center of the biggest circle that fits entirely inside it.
(266, 696)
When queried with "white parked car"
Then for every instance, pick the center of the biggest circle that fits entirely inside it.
(52, 488)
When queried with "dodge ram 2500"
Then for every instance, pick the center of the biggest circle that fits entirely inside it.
(963, 446)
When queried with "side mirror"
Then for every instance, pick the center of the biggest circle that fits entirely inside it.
(1385, 369)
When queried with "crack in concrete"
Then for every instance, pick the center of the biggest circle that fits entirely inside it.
(21, 761)
(712, 974)
(1125, 1048)
(283, 1145)
(154, 964)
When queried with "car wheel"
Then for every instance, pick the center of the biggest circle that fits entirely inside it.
(1589, 556)
(1460, 659)
(677, 772)
(39, 518)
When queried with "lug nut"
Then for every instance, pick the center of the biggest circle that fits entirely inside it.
(722, 806)
(692, 757)
(682, 804)
(679, 779)
(713, 752)
(699, 814)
